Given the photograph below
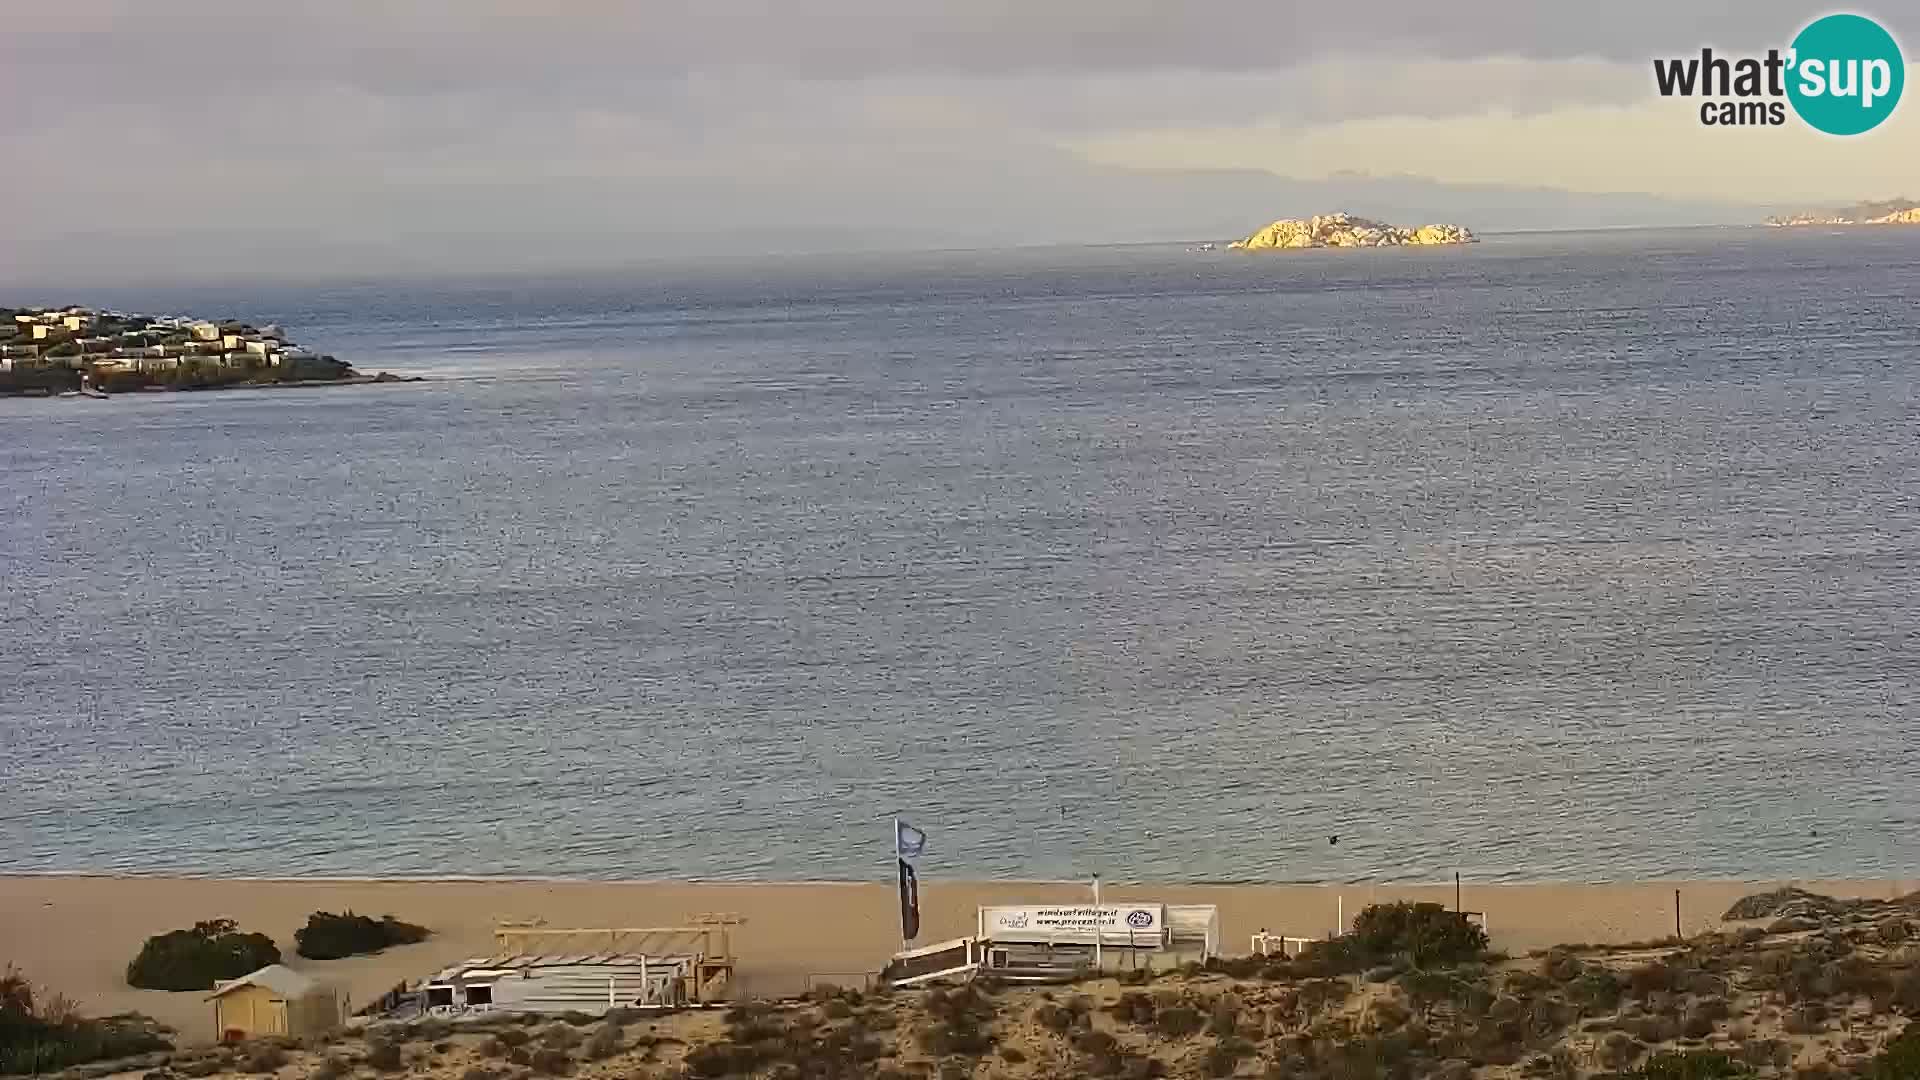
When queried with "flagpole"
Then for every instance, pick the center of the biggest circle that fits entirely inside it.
(900, 878)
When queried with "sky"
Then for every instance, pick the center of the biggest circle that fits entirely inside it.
(194, 137)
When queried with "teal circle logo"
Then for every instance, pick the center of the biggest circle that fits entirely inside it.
(1846, 74)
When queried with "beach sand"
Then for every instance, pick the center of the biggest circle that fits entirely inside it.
(75, 935)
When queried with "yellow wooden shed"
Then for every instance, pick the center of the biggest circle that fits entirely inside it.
(275, 1000)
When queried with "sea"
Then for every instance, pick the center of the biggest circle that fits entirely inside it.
(1577, 556)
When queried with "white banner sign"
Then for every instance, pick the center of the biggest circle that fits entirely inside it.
(1142, 924)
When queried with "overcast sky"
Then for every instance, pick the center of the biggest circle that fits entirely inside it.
(160, 136)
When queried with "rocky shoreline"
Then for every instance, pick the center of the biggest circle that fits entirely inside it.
(1890, 212)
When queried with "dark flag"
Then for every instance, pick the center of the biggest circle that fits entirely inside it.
(909, 902)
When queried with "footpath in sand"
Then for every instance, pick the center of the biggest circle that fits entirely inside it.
(76, 934)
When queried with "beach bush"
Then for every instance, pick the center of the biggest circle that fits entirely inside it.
(552, 1061)
(1597, 989)
(42, 1032)
(196, 959)
(1899, 1059)
(1093, 1042)
(266, 1058)
(1808, 1019)
(1224, 1057)
(1132, 1007)
(1181, 1021)
(1051, 1016)
(332, 1067)
(384, 1055)
(1689, 1065)
(1905, 996)
(604, 1043)
(1648, 979)
(1224, 1018)
(1420, 935)
(1619, 1050)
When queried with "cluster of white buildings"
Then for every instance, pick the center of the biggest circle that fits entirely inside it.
(87, 339)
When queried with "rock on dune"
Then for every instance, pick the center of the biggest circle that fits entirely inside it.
(1345, 230)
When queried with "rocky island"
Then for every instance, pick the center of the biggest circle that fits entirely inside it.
(76, 350)
(1346, 230)
(1888, 212)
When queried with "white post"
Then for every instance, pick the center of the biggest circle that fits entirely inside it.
(645, 986)
(611, 999)
(898, 884)
(1099, 937)
(1340, 906)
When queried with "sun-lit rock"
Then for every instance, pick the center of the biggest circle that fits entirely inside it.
(1345, 230)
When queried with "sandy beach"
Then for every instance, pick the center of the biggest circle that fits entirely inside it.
(76, 934)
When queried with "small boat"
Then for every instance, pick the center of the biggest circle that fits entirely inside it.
(87, 390)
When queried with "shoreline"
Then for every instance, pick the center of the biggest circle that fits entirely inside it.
(380, 379)
(75, 933)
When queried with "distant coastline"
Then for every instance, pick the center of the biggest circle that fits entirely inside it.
(1900, 211)
(84, 352)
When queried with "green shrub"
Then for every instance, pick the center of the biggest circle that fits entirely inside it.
(1649, 979)
(1619, 1050)
(943, 1038)
(1343, 955)
(266, 1058)
(1899, 1059)
(552, 1061)
(1223, 1057)
(333, 1067)
(1595, 989)
(1691, 1065)
(1906, 993)
(1179, 1022)
(196, 959)
(1094, 1043)
(384, 1055)
(604, 1043)
(1236, 967)
(1133, 1007)
(1053, 1017)
(45, 1032)
(1808, 1019)
(1225, 1017)
(1423, 934)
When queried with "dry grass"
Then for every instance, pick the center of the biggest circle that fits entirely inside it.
(1805, 1006)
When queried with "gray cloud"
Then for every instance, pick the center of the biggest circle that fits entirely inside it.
(436, 46)
(535, 131)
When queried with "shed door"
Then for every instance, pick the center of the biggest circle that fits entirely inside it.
(276, 1018)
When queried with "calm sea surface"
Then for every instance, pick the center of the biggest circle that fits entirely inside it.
(1574, 556)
